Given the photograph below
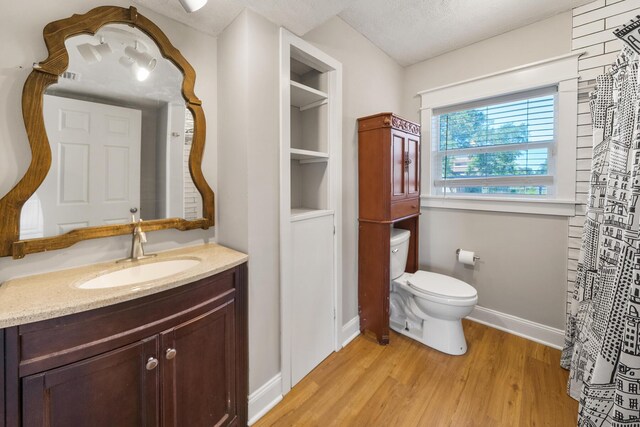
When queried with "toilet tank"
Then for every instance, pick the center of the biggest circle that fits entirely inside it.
(399, 251)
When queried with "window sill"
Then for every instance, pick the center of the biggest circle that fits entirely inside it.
(501, 204)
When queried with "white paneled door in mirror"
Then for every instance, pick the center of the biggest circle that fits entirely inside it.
(95, 173)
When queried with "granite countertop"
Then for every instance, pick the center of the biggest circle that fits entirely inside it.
(46, 296)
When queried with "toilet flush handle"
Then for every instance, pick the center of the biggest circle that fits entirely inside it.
(394, 250)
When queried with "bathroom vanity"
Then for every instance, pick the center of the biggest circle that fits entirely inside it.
(169, 352)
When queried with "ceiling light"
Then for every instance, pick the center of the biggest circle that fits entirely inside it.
(93, 53)
(143, 63)
(192, 5)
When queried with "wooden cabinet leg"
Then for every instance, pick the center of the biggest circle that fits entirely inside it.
(373, 278)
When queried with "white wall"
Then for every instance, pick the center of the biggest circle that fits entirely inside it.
(371, 84)
(248, 171)
(523, 264)
(22, 45)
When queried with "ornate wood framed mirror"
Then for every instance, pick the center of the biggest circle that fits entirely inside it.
(115, 128)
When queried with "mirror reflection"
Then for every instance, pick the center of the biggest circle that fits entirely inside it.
(120, 137)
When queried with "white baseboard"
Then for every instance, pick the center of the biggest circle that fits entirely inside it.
(265, 398)
(533, 331)
(350, 330)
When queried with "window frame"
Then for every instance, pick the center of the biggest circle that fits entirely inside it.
(561, 72)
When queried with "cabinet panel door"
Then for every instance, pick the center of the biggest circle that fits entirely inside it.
(198, 370)
(112, 389)
(398, 172)
(312, 299)
(413, 167)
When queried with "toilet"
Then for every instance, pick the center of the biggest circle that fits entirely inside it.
(427, 307)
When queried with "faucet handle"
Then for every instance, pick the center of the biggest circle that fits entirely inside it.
(133, 214)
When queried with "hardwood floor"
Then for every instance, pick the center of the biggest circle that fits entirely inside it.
(503, 380)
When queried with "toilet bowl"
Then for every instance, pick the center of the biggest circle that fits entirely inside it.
(425, 306)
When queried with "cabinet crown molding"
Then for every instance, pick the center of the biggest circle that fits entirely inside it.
(389, 120)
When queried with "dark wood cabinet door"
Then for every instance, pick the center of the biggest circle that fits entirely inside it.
(112, 389)
(198, 370)
(413, 166)
(398, 170)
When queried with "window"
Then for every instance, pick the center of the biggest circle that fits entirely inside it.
(633, 388)
(501, 146)
(505, 141)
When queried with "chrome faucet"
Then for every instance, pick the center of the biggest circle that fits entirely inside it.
(139, 238)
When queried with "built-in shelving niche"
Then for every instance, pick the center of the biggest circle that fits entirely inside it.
(310, 207)
(309, 148)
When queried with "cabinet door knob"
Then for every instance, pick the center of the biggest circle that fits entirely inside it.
(171, 353)
(152, 362)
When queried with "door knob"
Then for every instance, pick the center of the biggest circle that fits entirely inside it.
(170, 354)
(152, 362)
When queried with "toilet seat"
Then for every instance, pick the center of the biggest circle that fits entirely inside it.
(441, 288)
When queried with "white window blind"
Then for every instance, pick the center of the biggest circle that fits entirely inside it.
(502, 146)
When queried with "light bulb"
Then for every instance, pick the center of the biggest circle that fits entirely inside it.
(142, 74)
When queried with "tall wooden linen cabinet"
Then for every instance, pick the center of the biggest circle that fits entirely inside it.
(389, 196)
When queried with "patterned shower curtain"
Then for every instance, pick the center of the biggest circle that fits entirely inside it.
(602, 344)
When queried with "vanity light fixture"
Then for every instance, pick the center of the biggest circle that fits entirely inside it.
(192, 5)
(93, 53)
(142, 63)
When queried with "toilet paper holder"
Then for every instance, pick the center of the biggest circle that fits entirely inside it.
(475, 258)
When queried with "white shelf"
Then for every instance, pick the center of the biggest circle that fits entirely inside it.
(300, 214)
(308, 156)
(305, 97)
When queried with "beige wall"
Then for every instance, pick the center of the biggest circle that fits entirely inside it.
(371, 84)
(523, 263)
(22, 45)
(249, 172)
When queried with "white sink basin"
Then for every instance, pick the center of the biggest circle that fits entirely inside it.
(141, 273)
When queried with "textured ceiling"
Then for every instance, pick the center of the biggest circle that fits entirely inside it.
(211, 19)
(407, 30)
(299, 16)
(413, 30)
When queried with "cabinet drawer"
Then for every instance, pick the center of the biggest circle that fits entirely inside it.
(405, 208)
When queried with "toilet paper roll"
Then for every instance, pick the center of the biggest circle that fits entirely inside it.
(467, 257)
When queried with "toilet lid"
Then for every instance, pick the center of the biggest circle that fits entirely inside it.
(441, 285)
